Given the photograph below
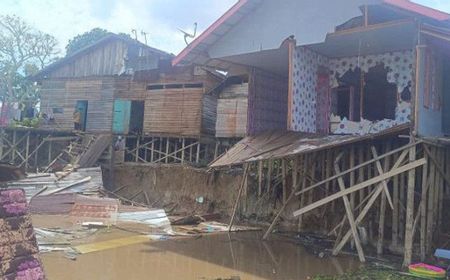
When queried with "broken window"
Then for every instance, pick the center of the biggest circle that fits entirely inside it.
(375, 100)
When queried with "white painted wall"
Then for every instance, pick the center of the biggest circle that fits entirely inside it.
(275, 20)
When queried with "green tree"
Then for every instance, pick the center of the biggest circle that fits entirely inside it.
(88, 38)
(23, 51)
(85, 39)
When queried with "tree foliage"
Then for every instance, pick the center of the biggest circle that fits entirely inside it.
(85, 39)
(23, 51)
(88, 38)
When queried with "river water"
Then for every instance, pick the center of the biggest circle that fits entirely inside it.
(237, 256)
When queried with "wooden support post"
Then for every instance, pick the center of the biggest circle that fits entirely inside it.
(380, 171)
(381, 223)
(167, 149)
(13, 155)
(216, 149)
(197, 159)
(183, 145)
(430, 210)
(349, 212)
(394, 235)
(152, 152)
(371, 201)
(303, 186)
(352, 174)
(236, 204)
(269, 175)
(410, 211)
(423, 211)
(401, 202)
(27, 150)
(440, 188)
(283, 176)
(137, 148)
(260, 177)
(50, 148)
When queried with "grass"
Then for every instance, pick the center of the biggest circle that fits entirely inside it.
(368, 274)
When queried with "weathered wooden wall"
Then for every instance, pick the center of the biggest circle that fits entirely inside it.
(107, 59)
(179, 108)
(267, 102)
(59, 98)
(232, 111)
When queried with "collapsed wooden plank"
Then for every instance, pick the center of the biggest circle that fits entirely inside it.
(380, 171)
(369, 204)
(360, 186)
(349, 212)
(359, 166)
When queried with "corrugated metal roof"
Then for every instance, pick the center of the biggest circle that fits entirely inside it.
(276, 145)
(197, 50)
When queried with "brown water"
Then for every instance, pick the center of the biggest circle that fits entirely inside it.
(225, 256)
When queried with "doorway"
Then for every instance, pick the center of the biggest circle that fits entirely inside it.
(137, 117)
(82, 107)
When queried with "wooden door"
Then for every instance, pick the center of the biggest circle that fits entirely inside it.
(121, 117)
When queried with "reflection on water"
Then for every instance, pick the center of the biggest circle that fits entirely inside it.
(227, 256)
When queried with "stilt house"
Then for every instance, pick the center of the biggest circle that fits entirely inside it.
(356, 123)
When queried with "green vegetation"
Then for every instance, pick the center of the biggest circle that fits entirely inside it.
(369, 274)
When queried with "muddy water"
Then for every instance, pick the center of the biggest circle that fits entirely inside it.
(236, 256)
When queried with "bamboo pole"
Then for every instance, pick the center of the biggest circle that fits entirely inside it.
(410, 211)
(283, 175)
(362, 185)
(269, 175)
(394, 235)
(260, 177)
(381, 223)
(236, 204)
(430, 217)
(423, 210)
(369, 204)
(349, 212)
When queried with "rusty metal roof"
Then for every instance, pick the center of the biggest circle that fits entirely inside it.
(276, 145)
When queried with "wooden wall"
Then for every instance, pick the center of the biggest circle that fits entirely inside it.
(186, 111)
(267, 102)
(59, 98)
(232, 111)
(107, 59)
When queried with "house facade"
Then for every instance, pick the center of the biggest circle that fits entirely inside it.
(359, 68)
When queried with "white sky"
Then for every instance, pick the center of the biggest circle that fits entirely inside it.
(161, 19)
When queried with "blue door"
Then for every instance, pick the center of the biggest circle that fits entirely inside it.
(121, 118)
(82, 107)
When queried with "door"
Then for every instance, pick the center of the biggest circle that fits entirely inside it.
(136, 116)
(82, 107)
(121, 117)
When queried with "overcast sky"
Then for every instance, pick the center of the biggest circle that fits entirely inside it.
(65, 19)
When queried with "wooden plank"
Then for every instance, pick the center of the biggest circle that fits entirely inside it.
(369, 204)
(358, 167)
(236, 204)
(349, 212)
(410, 211)
(360, 186)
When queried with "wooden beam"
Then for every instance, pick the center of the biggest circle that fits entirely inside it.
(236, 204)
(360, 186)
(380, 171)
(349, 212)
(369, 204)
(358, 167)
(410, 210)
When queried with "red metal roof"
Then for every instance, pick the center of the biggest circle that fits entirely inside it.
(401, 4)
(234, 9)
(419, 9)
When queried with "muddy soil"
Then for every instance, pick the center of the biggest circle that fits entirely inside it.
(222, 256)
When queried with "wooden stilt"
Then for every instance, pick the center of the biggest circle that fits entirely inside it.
(430, 210)
(27, 150)
(236, 204)
(350, 216)
(197, 158)
(269, 175)
(423, 211)
(381, 223)
(283, 175)
(260, 177)
(372, 199)
(410, 211)
(167, 150)
(394, 235)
